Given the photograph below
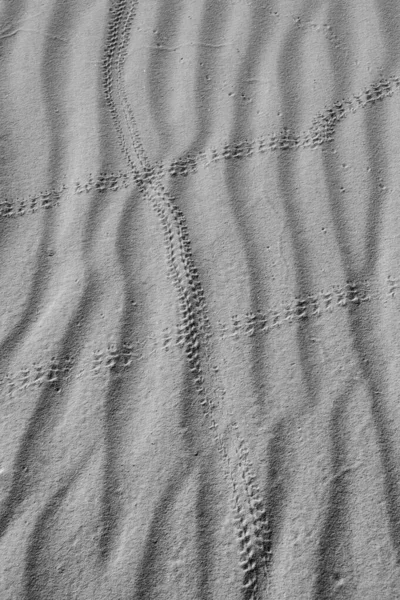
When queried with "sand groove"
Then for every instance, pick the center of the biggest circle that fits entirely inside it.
(200, 355)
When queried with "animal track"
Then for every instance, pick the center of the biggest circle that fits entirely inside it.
(194, 327)
(193, 333)
(321, 131)
(392, 285)
(117, 358)
(51, 198)
(291, 311)
(52, 373)
(326, 30)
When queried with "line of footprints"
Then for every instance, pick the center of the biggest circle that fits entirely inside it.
(119, 357)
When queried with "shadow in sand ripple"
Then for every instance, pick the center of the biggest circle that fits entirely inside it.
(38, 577)
(333, 551)
(49, 410)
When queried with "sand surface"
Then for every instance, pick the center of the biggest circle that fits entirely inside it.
(199, 325)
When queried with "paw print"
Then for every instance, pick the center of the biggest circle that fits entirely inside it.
(306, 140)
(262, 321)
(202, 158)
(180, 335)
(262, 145)
(212, 155)
(378, 91)
(191, 163)
(250, 323)
(221, 329)
(39, 374)
(273, 142)
(89, 184)
(67, 364)
(23, 378)
(6, 208)
(235, 319)
(227, 152)
(127, 354)
(100, 184)
(392, 286)
(313, 301)
(340, 109)
(97, 361)
(249, 147)
(167, 339)
(317, 138)
(21, 210)
(341, 296)
(181, 167)
(352, 292)
(327, 298)
(365, 292)
(287, 140)
(113, 356)
(288, 312)
(276, 318)
(9, 383)
(238, 150)
(79, 189)
(300, 308)
(113, 182)
(54, 372)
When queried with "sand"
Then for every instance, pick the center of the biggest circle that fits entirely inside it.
(199, 291)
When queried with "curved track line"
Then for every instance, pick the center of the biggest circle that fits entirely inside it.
(183, 273)
(321, 132)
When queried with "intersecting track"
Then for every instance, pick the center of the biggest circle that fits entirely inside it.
(321, 132)
(248, 508)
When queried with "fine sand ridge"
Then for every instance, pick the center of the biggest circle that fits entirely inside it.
(169, 429)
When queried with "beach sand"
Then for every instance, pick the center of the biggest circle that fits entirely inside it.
(199, 325)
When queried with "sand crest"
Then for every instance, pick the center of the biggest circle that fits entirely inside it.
(200, 280)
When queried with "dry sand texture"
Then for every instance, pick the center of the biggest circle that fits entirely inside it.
(199, 343)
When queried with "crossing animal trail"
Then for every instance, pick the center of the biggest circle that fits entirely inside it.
(195, 325)
(122, 356)
(267, 477)
(321, 132)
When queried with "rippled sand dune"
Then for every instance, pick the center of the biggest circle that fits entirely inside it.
(199, 291)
